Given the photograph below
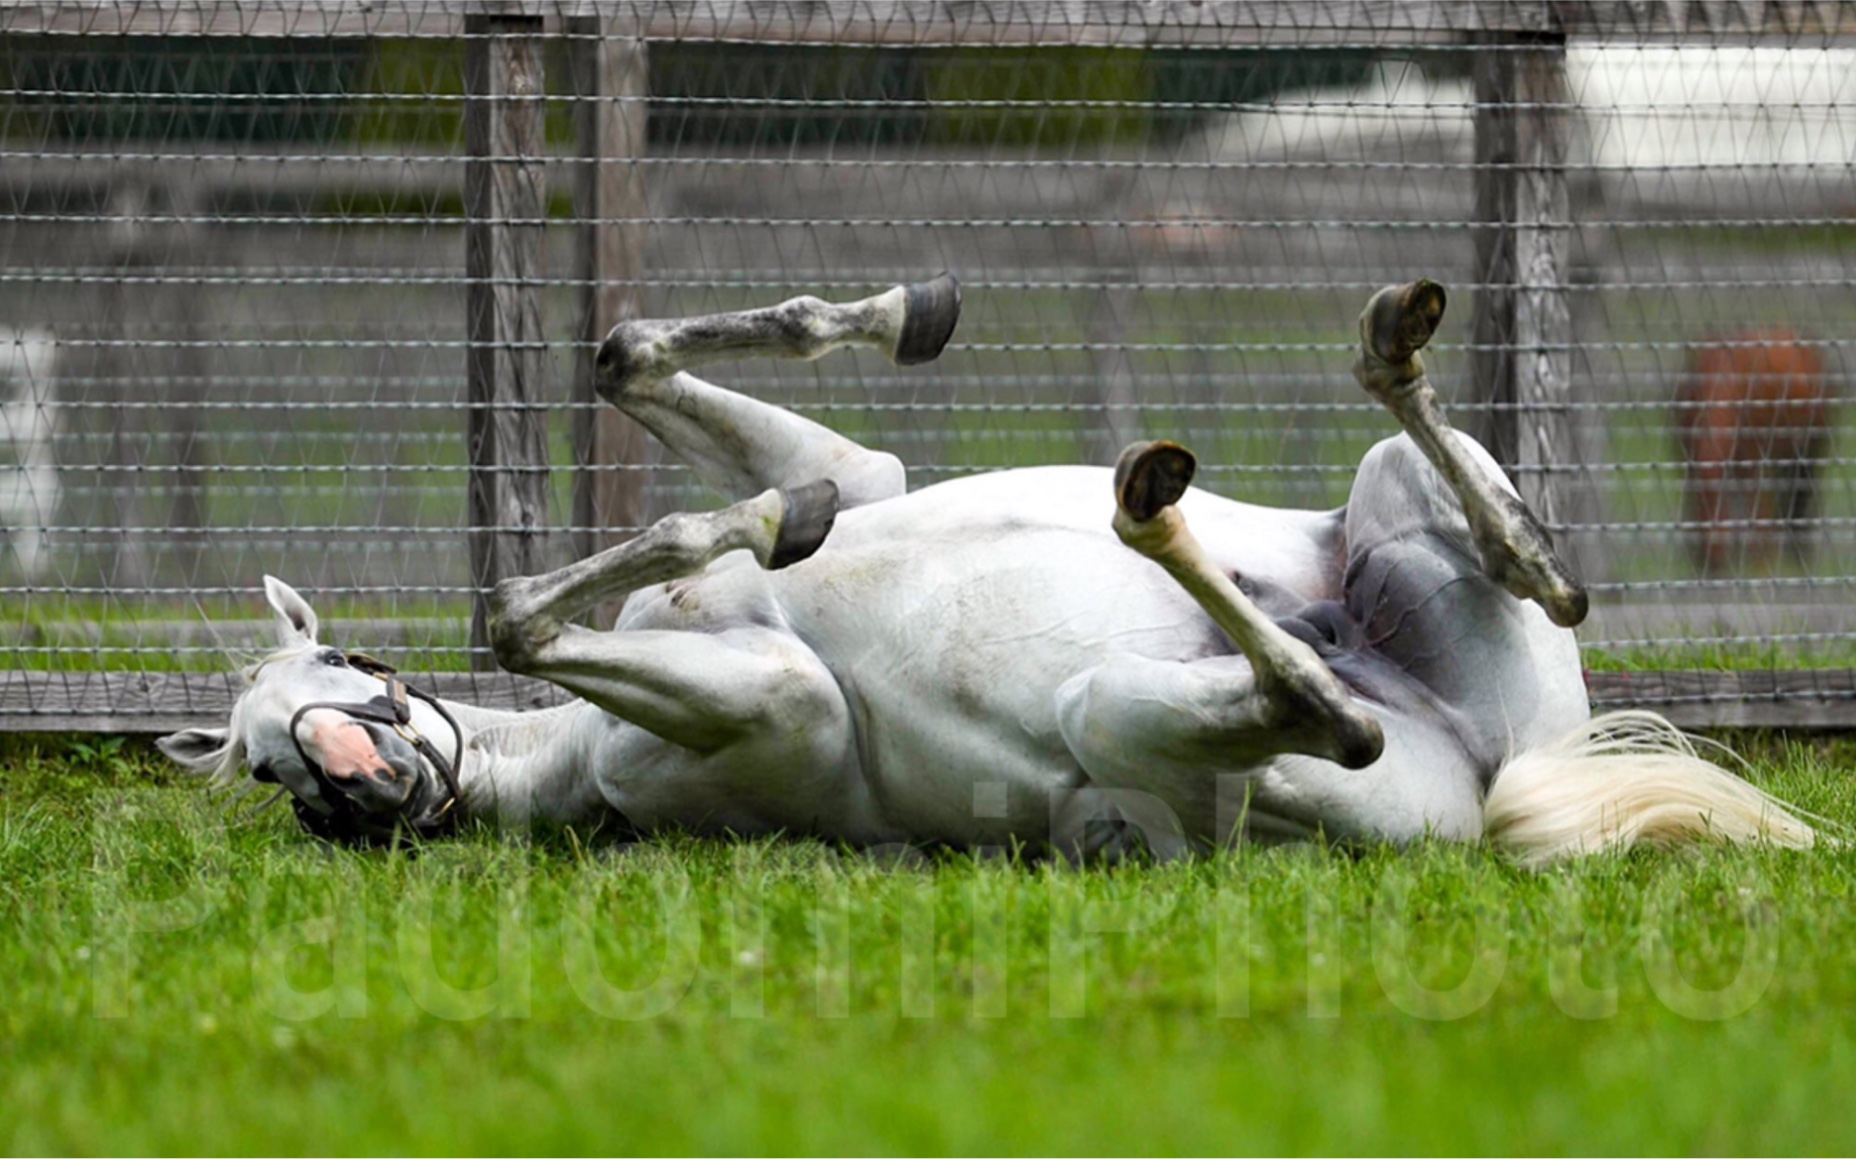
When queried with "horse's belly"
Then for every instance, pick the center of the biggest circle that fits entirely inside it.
(951, 625)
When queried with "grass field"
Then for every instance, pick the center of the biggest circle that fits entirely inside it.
(175, 983)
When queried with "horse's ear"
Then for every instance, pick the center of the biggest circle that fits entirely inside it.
(196, 749)
(296, 620)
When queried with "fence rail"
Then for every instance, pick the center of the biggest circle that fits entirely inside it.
(160, 702)
(312, 288)
(998, 23)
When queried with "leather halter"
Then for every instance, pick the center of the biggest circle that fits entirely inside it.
(346, 821)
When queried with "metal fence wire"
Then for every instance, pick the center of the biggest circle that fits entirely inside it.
(237, 291)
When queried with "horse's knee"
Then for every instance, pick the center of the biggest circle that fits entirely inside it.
(869, 477)
(632, 353)
(519, 631)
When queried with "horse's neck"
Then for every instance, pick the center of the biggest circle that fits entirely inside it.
(502, 747)
(474, 720)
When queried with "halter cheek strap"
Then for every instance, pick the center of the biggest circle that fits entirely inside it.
(393, 708)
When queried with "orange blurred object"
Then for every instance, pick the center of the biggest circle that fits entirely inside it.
(1754, 422)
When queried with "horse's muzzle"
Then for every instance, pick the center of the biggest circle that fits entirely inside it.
(389, 784)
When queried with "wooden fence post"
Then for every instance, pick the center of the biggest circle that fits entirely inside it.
(610, 84)
(133, 466)
(505, 206)
(1521, 363)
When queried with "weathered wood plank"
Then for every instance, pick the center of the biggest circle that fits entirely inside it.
(132, 702)
(504, 183)
(1821, 699)
(1520, 362)
(135, 702)
(1521, 328)
(1128, 23)
(609, 67)
(1804, 22)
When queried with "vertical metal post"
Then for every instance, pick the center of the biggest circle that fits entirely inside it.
(610, 84)
(505, 205)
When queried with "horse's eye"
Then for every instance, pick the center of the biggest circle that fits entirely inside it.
(335, 660)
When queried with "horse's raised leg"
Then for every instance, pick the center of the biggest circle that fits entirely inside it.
(741, 446)
(1423, 600)
(1293, 702)
(702, 691)
(1516, 551)
(777, 527)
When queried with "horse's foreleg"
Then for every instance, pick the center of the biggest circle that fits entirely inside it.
(777, 527)
(739, 445)
(1516, 550)
(1293, 703)
(703, 692)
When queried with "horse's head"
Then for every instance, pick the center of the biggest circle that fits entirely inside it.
(360, 753)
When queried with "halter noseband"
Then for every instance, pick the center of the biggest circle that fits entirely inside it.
(346, 821)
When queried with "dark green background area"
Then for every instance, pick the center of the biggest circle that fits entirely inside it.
(259, 91)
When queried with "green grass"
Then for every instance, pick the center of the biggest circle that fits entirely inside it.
(827, 1001)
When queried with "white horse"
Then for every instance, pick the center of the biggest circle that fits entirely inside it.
(1064, 657)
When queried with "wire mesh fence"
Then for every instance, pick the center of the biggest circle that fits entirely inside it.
(236, 293)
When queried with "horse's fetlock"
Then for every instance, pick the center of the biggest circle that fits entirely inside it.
(1150, 537)
(1391, 384)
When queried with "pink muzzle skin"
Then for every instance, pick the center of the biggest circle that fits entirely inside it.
(342, 745)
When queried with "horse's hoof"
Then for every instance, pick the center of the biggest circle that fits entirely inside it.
(1360, 741)
(1399, 320)
(1150, 477)
(928, 317)
(805, 521)
(1569, 609)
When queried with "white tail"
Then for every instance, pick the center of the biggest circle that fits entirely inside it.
(1624, 779)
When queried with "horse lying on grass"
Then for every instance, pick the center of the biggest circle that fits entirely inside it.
(1067, 658)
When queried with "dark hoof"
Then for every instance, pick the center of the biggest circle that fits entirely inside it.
(804, 524)
(1401, 319)
(1150, 477)
(1570, 610)
(1361, 742)
(928, 320)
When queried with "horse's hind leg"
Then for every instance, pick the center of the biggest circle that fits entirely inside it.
(739, 445)
(1294, 702)
(1415, 585)
(1515, 549)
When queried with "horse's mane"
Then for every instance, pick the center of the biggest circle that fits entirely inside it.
(224, 766)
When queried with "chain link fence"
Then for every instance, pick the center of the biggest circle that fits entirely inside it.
(239, 304)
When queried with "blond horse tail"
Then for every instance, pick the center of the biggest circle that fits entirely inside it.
(1624, 779)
